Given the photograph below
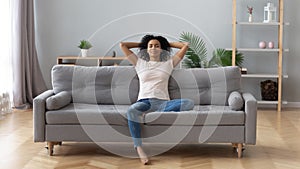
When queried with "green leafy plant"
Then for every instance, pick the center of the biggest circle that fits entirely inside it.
(196, 55)
(84, 44)
(197, 52)
(223, 57)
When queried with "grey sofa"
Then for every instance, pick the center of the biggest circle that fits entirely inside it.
(89, 104)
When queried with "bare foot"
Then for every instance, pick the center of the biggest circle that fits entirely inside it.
(143, 157)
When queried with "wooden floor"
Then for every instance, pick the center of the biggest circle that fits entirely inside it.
(277, 147)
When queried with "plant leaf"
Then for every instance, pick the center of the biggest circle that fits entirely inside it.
(197, 52)
(222, 57)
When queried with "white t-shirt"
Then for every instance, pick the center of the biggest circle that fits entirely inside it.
(154, 78)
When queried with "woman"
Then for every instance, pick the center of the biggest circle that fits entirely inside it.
(154, 67)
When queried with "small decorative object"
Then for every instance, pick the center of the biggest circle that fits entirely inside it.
(84, 46)
(244, 70)
(271, 45)
(269, 13)
(250, 10)
(269, 90)
(114, 54)
(262, 44)
(5, 104)
(84, 52)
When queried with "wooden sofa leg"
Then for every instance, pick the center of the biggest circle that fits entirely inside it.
(240, 150)
(50, 148)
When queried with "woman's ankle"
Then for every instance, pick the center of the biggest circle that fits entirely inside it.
(142, 155)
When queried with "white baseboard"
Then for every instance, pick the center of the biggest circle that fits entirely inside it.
(288, 105)
(291, 105)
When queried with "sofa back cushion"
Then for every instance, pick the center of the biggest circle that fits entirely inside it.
(205, 86)
(97, 85)
(120, 84)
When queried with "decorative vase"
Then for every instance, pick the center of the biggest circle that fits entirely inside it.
(250, 19)
(262, 44)
(84, 52)
(271, 45)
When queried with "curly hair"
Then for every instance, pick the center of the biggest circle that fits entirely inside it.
(165, 46)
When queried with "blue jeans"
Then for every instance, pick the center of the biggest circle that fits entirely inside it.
(136, 111)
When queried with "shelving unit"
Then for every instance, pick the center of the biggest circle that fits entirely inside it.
(279, 75)
(99, 59)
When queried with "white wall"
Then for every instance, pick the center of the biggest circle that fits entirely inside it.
(61, 24)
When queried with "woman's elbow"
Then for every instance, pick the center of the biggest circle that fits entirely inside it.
(121, 44)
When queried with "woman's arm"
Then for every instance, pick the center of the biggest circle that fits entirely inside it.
(183, 46)
(126, 46)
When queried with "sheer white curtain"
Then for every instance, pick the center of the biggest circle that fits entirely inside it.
(28, 80)
(5, 55)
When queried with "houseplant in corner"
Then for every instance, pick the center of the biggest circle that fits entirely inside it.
(84, 46)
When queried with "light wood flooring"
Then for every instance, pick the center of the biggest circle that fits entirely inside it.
(278, 139)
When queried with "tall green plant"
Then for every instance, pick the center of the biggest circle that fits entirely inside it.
(196, 55)
(197, 52)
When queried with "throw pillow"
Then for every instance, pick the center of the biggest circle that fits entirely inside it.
(235, 101)
(58, 100)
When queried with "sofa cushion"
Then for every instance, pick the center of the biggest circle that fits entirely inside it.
(205, 86)
(201, 115)
(120, 85)
(97, 85)
(58, 100)
(79, 113)
(235, 101)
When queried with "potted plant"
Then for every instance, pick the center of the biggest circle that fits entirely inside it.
(196, 55)
(223, 57)
(197, 52)
(84, 46)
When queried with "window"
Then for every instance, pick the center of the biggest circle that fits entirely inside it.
(5, 57)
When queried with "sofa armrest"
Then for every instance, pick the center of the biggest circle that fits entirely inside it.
(39, 121)
(250, 118)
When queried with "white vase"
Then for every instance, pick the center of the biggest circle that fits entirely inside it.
(250, 19)
(84, 52)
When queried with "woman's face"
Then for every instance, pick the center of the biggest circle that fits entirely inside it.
(154, 49)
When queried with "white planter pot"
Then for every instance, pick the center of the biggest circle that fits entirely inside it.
(84, 52)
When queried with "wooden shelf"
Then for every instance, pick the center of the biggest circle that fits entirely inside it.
(263, 76)
(60, 59)
(262, 23)
(258, 50)
(113, 58)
